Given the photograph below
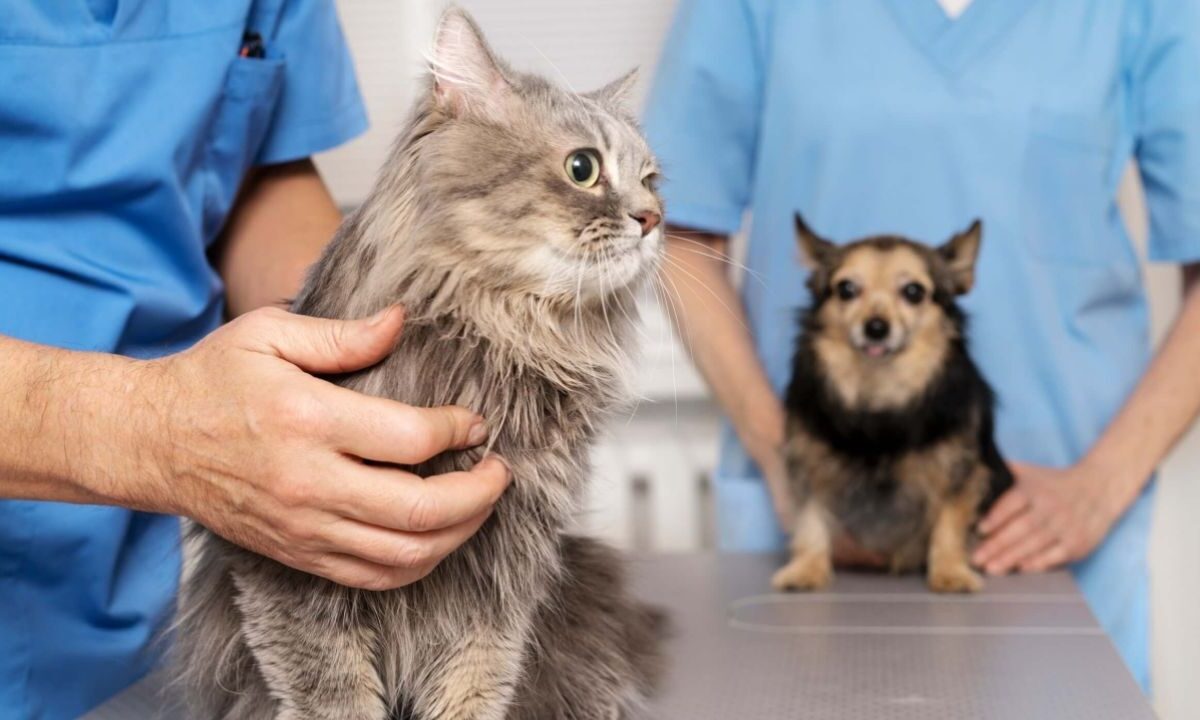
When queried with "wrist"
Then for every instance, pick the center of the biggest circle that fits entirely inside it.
(1119, 478)
(762, 433)
(104, 408)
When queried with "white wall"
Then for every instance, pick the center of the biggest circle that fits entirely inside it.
(667, 446)
(1175, 538)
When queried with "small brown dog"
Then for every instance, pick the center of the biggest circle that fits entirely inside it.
(889, 435)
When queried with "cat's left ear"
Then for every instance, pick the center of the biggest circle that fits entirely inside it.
(959, 254)
(467, 76)
(618, 92)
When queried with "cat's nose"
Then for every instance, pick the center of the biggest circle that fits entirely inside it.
(648, 219)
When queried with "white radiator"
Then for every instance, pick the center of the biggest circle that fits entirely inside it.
(651, 479)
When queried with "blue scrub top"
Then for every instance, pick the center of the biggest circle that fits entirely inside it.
(125, 129)
(874, 116)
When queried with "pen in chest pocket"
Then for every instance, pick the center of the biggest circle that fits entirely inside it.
(252, 45)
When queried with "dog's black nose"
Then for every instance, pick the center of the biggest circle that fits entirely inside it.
(876, 328)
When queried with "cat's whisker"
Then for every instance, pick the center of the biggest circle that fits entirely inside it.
(578, 309)
(708, 252)
(633, 321)
(638, 397)
(678, 231)
(672, 320)
(603, 267)
(680, 268)
(606, 268)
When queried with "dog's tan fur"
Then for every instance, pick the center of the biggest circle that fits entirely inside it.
(939, 486)
(862, 381)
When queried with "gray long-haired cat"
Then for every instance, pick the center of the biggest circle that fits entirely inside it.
(513, 221)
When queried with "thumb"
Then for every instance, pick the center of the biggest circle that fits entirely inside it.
(320, 345)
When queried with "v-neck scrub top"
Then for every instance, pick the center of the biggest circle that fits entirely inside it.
(126, 127)
(872, 116)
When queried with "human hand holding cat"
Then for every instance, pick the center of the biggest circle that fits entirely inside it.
(271, 458)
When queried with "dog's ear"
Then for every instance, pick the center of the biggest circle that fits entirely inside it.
(959, 254)
(815, 250)
(818, 255)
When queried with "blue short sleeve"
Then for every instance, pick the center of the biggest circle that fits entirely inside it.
(702, 117)
(1167, 110)
(320, 106)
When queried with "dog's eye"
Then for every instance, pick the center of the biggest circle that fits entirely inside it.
(913, 292)
(847, 290)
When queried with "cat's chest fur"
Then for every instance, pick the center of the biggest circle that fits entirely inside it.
(542, 430)
(532, 418)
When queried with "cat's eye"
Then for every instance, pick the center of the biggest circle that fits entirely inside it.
(847, 290)
(913, 292)
(583, 168)
(650, 182)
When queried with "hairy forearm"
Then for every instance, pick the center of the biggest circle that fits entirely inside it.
(282, 220)
(1160, 409)
(68, 427)
(711, 322)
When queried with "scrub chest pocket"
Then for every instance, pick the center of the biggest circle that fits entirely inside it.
(1067, 180)
(244, 115)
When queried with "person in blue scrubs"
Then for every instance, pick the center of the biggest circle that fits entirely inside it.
(154, 181)
(896, 116)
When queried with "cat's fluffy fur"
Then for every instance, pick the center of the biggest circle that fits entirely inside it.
(518, 288)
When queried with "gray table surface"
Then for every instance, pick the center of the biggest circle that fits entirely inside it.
(1026, 648)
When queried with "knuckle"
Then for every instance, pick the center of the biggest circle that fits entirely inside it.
(372, 581)
(246, 324)
(424, 513)
(302, 534)
(423, 572)
(419, 438)
(325, 567)
(297, 413)
(294, 492)
(381, 580)
(337, 338)
(257, 321)
(290, 498)
(412, 555)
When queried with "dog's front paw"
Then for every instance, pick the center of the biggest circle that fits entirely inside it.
(809, 573)
(954, 579)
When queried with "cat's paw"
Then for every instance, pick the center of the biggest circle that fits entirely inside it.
(954, 579)
(811, 573)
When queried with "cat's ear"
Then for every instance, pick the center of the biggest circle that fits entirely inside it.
(618, 92)
(959, 254)
(467, 76)
(815, 251)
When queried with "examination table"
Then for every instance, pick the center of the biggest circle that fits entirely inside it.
(873, 646)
